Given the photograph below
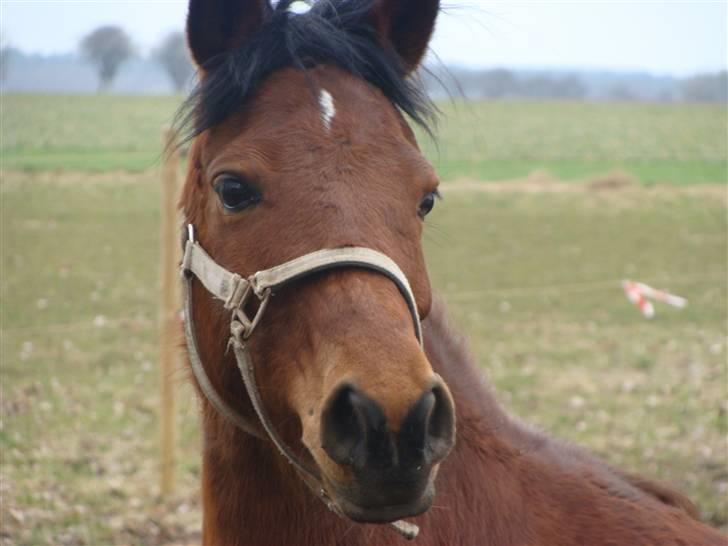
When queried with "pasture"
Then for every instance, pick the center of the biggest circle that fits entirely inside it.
(482, 141)
(530, 269)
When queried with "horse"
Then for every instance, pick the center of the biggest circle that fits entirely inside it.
(335, 397)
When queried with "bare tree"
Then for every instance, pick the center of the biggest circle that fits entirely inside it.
(107, 47)
(173, 54)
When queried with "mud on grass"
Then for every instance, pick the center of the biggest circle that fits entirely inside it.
(532, 277)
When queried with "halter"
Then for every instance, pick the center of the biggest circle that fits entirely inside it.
(236, 292)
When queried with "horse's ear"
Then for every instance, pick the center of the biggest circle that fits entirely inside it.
(406, 26)
(217, 26)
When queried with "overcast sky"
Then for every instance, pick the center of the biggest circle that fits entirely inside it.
(670, 37)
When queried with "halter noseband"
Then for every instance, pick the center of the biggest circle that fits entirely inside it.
(236, 292)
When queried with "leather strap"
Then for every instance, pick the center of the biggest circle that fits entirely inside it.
(201, 375)
(235, 292)
(322, 260)
(221, 283)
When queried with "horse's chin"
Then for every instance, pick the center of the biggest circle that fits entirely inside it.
(386, 513)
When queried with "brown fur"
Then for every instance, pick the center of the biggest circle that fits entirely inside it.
(359, 183)
(504, 484)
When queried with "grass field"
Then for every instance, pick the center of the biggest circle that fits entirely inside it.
(678, 144)
(530, 270)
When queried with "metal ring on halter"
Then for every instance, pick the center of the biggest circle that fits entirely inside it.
(248, 324)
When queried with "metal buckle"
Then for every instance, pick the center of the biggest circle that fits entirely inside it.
(245, 326)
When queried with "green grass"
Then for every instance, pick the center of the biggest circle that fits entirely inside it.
(85, 133)
(533, 279)
(675, 144)
(647, 172)
(79, 377)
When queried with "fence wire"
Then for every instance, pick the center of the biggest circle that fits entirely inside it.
(99, 323)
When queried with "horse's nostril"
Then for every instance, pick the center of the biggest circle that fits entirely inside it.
(414, 432)
(428, 430)
(340, 429)
(441, 432)
(354, 430)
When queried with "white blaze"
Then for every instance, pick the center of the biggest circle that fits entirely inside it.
(328, 110)
(299, 7)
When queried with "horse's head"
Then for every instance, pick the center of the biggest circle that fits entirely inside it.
(301, 146)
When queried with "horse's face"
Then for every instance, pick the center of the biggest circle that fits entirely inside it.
(339, 368)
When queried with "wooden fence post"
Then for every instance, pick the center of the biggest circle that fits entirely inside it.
(168, 319)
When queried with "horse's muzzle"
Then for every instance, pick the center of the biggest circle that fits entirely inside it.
(393, 472)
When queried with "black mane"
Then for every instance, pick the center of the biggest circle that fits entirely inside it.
(335, 32)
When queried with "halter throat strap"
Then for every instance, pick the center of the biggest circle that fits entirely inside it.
(236, 292)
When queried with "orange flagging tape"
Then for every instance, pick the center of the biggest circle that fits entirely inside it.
(640, 295)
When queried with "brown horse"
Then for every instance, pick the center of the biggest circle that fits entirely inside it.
(300, 144)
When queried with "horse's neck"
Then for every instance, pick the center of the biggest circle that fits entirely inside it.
(528, 485)
(250, 496)
(449, 355)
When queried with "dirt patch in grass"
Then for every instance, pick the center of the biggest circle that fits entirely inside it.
(541, 182)
(538, 182)
(66, 179)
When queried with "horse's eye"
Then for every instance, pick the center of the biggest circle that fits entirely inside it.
(427, 203)
(235, 194)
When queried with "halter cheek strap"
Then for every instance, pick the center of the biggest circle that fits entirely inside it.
(236, 292)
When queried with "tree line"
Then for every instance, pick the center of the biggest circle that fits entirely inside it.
(504, 84)
(109, 47)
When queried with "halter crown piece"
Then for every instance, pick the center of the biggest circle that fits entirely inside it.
(236, 292)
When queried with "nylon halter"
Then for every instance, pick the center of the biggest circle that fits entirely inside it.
(236, 292)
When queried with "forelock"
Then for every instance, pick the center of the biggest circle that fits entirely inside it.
(333, 32)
